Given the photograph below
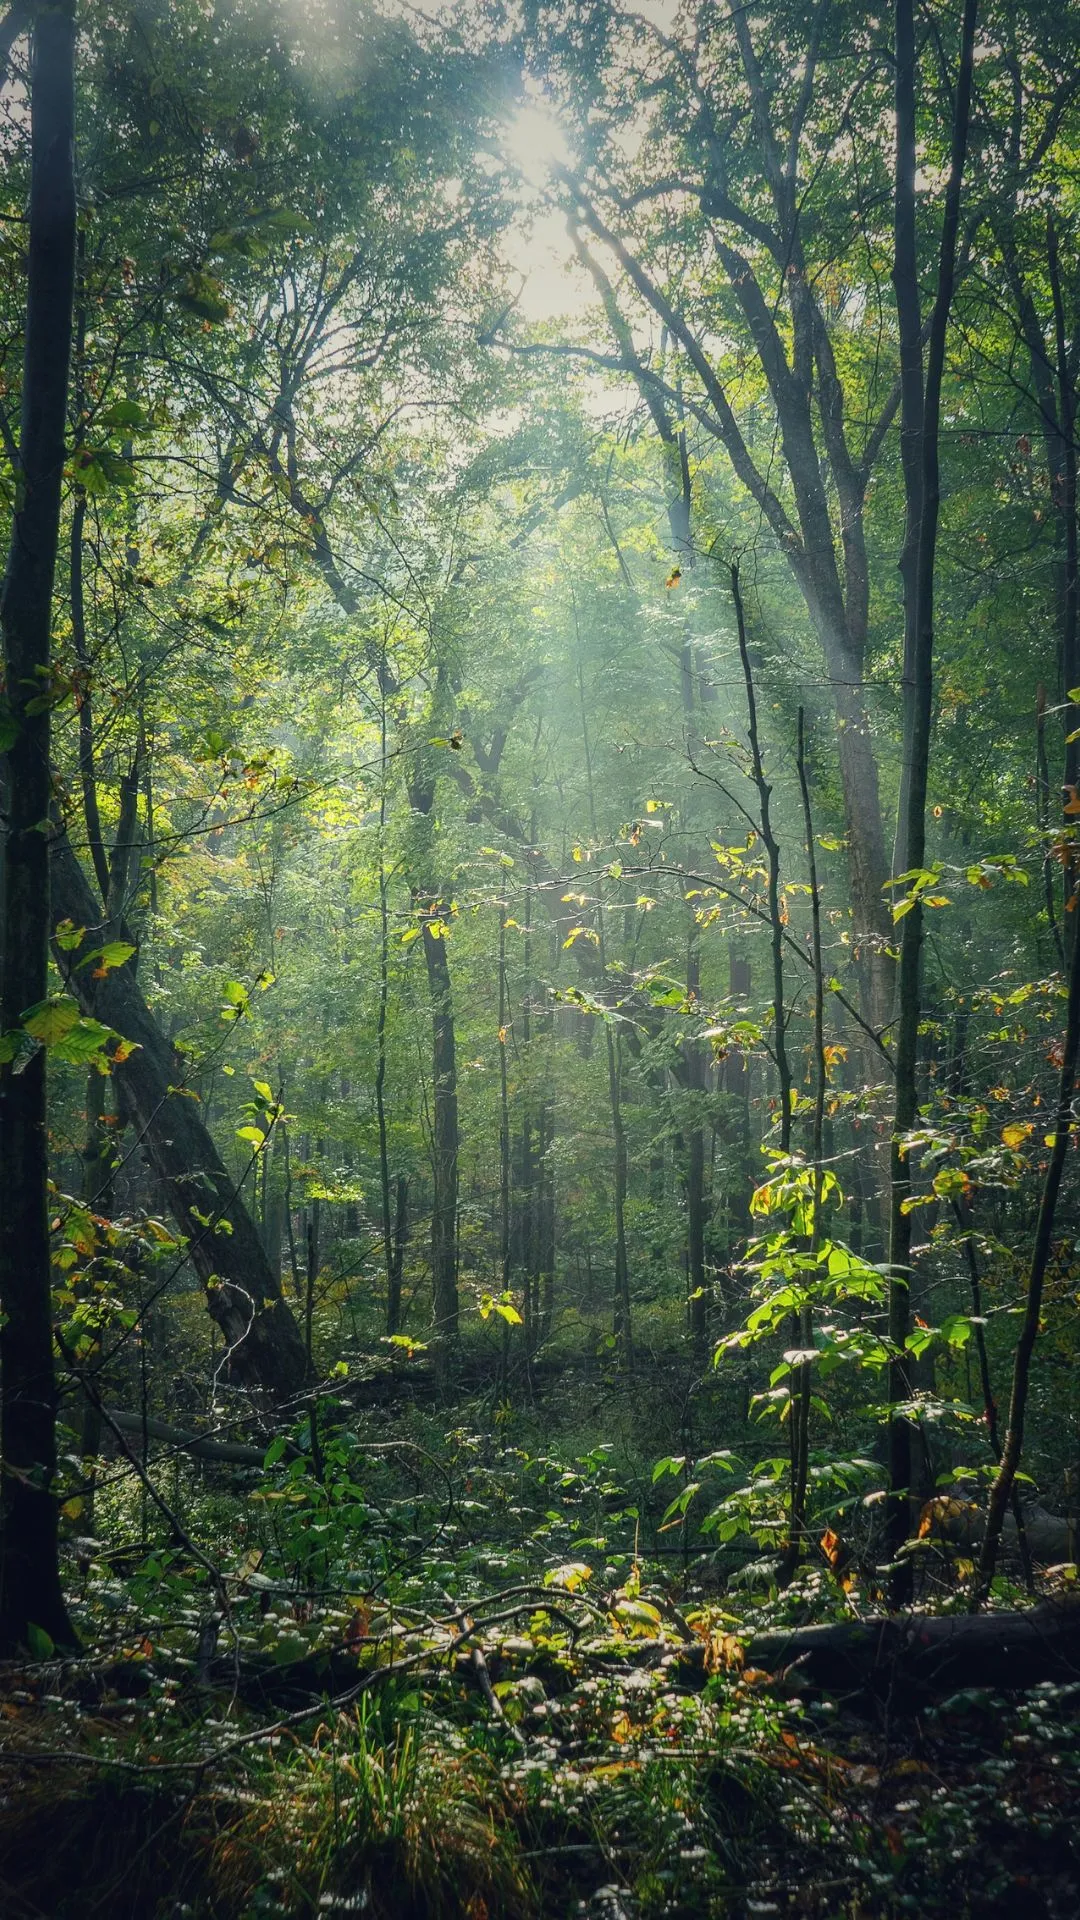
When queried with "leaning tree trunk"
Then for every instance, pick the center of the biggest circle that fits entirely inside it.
(30, 1593)
(242, 1293)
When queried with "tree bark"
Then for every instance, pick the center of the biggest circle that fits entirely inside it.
(1004, 1482)
(907, 1655)
(30, 1592)
(393, 1295)
(695, 1158)
(444, 1143)
(244, 1298)
(919, 708)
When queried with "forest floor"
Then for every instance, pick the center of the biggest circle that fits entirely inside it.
(448, 1676)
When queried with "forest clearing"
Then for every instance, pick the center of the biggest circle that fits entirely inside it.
(539, 977)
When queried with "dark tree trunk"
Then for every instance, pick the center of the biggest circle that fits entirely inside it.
(393, 1295)
(622, 1317)
(30, 1593)
(695, 1159)
(444, 1144)
(242, 1293)
(401, 1222)
(918, 715)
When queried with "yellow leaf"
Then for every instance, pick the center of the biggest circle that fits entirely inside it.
(1015, 1135)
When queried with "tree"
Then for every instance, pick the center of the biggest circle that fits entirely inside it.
(30, 1594)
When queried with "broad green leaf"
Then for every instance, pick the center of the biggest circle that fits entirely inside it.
(50, 1020)
(115, 953)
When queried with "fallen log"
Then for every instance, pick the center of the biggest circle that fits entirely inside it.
(950, 1522)
(200, 1445)
(907, 1656)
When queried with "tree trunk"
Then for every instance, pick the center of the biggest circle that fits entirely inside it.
(401, 1217)
(244, 1298)
(695, 1159)
(393, 1295)
(622, 1318)
(444, 1145)
(30, 1593)
(1004, 1482)
(918, 717)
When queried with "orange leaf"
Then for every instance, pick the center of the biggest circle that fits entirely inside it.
(357, 1629)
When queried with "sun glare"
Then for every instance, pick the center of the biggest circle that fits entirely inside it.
(535, 144)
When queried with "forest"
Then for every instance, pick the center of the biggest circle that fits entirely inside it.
(539, 961)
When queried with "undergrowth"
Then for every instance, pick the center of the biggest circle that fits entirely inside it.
(456, 1675)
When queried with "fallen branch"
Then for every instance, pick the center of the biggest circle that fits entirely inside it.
(200, 1446)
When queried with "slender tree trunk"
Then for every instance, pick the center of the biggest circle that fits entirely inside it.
(801, 1378)
(772, 854)
(905, 279)
(30, 1592)
(504, 1102)
(401, 1221)
(737, 1087)
(312, 1262)
(393, 1296)
(1001, 1491)
(444, 1144)
(528, 1163)
(990, 1411)
(545, 1028)
(622, 1324)
(698, 1303)
(1070, 597)
(622, 1317)
(98, 1158)
(917, 760)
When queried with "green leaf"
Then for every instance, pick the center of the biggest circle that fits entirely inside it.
(638, 1613)
(99, 468)
(677, 1509)
(126, 414)
(254, 1135)
(40, 1643)
(51, 1020)
(236, 999)
(115, 953)
(671, 1463)
(85, 1044)
(203, 295)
